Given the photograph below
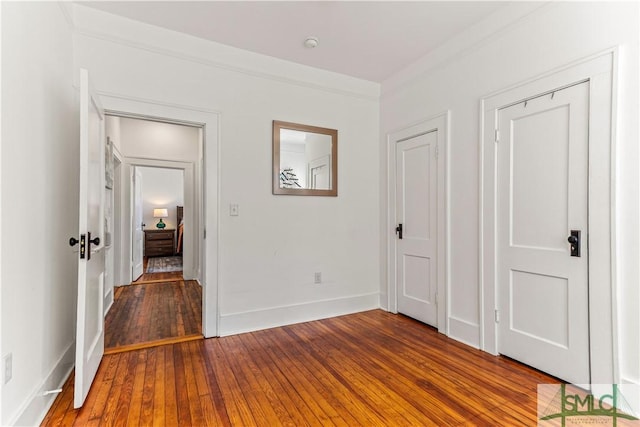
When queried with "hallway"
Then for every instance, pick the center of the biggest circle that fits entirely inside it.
(158, 311)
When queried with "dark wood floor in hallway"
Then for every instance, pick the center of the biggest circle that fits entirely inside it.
(152, 312)
(365, 369)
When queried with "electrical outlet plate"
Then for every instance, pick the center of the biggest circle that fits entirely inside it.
(317, 278)
(7, 362)
(234, 210)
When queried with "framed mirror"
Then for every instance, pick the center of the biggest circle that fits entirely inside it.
(305, 160)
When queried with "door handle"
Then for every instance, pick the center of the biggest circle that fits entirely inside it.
(73, 241)
(399, 231)
(574, 240)
(94, 241)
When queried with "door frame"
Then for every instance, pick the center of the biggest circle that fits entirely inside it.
(191, 263)
(439, 123)
(206, 188)
(599, 71)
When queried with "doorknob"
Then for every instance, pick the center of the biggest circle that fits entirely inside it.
(94, 241)
(574, 240)
(399, 231)
(73, 241)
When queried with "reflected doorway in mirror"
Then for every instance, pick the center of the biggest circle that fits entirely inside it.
(305, 160)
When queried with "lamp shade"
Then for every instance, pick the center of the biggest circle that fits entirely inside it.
(160, 213)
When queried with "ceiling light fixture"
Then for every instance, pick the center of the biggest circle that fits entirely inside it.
(311, 42)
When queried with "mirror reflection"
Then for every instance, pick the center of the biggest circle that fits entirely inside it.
(305, 159)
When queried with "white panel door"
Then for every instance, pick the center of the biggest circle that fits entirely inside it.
(91, 263)
(137, 244)
(542, 196)
(416, 211)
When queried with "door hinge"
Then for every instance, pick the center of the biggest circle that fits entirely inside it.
(436, 298)
(497, 135)
(204, 234)
(497, 316)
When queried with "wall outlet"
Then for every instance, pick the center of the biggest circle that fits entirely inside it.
(7, 362)
(317, 278)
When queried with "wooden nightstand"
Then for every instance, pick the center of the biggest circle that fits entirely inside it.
(159, 242)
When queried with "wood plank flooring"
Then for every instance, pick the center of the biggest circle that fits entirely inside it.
(153, 312)
(372, 368)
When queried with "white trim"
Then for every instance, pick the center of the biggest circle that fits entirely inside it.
(192, 256)
(463, 331)
(65, 7)
(439, 123)
(98, 25)
(209, 210)
(253, 320)
(630, 389)
(108, 301)
(251, 72)
(598, 70)
(37, 405)
(482, 33)
(161, 104)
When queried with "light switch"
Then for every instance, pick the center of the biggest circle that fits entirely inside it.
(234, 210)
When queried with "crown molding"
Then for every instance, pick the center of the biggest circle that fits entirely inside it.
(335, 83)
(471, 40)
(67, 12)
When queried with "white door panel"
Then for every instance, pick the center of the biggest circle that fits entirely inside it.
(91, 263)
(416, 210)
(542, 196)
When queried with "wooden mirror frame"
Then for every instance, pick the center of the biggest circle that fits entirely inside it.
(333, 133)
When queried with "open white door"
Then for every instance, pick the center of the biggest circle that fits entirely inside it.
(138, 234)
(91, 262)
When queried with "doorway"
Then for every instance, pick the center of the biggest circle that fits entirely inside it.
(547, 291)
(158, 223)
(161, 300)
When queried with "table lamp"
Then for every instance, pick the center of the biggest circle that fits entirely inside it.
(161, 213)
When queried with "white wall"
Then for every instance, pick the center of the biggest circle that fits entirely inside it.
(157, 140)
(476, 63)
(40, 201)
(269, 253)
(161, 188)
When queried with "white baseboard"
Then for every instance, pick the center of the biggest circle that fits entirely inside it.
(384, 301)
(190, 275)
(630, 390)
(108, 302)
(464, 331)
(35, 408)
(237, 323)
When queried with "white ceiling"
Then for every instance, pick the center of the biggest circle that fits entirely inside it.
(369, 40)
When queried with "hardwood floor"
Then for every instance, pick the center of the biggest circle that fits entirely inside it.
(153, 313)
(371, 368)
